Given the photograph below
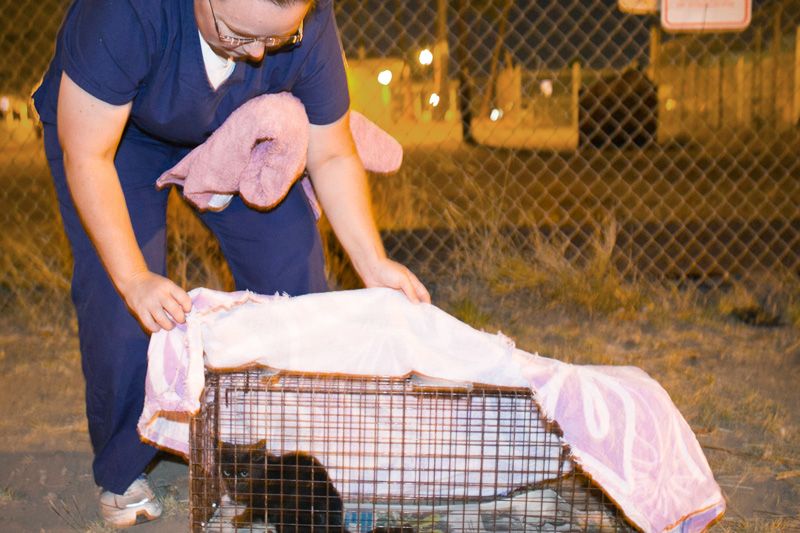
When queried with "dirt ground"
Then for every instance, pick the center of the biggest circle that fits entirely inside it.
(737, 385)
(45, 455)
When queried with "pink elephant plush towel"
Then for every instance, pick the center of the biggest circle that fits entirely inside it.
(260, 151)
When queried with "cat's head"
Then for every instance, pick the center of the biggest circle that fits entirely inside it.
(241, 466)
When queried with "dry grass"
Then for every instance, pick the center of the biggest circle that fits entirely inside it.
(35, 268)
(760, 525)
(730, 379)
(98, 526)
(764, 299)
(545, 266)
(69, 511)
(400, 201)
(171, 502)
(467, 310)
(7, 495)
(35, 276)
(591, 285)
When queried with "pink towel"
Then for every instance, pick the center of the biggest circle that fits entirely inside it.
(260, 151)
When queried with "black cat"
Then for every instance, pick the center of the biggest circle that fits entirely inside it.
(293, 491)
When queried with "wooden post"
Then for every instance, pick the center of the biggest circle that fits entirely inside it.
(720, 96)
(743, 96)
(776, 61)
(796, 115)
(441, 62)
(684, 74)
(712, 93)
(693, 92)
(466, 67)
(655, 52)
(501, 36)
(508, 88)
(758, 83)
(576, 90)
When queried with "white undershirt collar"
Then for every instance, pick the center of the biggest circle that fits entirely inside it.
(218, 68)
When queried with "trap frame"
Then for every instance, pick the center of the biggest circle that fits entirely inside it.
(404, 455)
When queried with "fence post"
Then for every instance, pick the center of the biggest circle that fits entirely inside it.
(684, 94)
(758, 83)
(693, 96)
(796, 115)
(576, 89)
(655, 53)
(775, 108)
(743, 96)
(712, 93)
(441, 61)
(720, 90)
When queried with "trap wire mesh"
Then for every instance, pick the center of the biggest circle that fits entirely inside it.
(305, 452)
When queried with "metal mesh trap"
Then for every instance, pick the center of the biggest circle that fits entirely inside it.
(312, 453)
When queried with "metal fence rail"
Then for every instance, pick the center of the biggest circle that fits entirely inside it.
(568, 124)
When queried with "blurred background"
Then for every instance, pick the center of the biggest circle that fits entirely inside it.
(538, 136)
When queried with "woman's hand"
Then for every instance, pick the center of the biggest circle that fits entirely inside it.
(388, 273)
(89, 131)
(155, 301)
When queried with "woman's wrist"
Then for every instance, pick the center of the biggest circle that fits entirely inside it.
(368, 263)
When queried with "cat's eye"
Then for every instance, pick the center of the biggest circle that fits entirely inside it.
(244, 473)
(226, 473)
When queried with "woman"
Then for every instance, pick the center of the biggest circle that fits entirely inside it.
(132, 87)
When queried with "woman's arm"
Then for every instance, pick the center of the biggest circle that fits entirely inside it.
(341, 185)
(89, 131)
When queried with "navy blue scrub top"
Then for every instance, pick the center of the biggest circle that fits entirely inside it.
(148, 52)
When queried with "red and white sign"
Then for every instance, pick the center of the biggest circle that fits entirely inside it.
(705, 15)
(638, 7)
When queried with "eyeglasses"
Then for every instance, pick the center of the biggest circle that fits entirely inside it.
(270, 42)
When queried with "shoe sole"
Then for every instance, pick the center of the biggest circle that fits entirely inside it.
(142, 516)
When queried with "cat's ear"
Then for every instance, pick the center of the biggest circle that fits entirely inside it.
(261, 445)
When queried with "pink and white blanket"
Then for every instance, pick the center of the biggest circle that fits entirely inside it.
(620, 425)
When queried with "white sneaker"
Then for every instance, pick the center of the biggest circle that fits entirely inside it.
(138, 504)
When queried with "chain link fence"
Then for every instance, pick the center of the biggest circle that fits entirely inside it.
(530, 128)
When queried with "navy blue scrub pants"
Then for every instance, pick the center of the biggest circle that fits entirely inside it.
(278, 250)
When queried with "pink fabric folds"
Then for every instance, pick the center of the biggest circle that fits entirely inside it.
(378, 150)
(620, 425)
(260, 150)
(623, 429)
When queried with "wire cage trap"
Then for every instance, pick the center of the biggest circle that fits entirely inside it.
(290, 452)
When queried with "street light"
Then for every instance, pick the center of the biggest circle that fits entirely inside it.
(385, 77)
(426, 57)
(546, 86)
